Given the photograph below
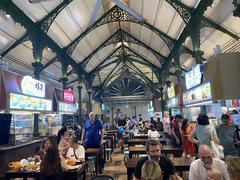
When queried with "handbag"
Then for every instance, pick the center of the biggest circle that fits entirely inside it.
(217, 149)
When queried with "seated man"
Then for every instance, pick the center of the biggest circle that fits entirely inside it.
(76, 151)
(153, 149)
(207, 167)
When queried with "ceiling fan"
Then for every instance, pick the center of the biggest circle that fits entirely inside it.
(120, 4)
(38, 1)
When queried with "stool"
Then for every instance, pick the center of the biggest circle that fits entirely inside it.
(109, 152)
(90, 165)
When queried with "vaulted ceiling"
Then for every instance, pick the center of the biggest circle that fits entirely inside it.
(95, 39)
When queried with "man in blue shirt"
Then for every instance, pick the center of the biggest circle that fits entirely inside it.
(91, 135)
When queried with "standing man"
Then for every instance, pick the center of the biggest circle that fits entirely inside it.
(92, 132)
(227, 136)
(207, 167)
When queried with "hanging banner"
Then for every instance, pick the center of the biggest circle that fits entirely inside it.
(68, 96)
(33, 87)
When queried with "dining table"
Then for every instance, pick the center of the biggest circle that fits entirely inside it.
(168, 149)
(181, 164)
(72, 174)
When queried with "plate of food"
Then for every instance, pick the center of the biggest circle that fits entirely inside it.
(70, 167)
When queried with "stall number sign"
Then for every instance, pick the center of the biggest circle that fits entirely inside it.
(68, 96)
(33, 87)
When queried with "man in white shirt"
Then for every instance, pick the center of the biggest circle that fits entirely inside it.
(76, 151)
(207, 167)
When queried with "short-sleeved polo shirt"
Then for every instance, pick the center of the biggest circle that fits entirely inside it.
(92, 137)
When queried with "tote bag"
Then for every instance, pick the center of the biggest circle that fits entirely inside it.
(216, 148)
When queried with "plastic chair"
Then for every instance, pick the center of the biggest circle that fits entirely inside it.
(102, 177)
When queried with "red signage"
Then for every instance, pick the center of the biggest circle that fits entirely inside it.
(68, 96)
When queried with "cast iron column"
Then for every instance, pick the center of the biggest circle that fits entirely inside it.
(80, 102)
(64, 82)
(162, 102)
(37, 66)
(89, 100)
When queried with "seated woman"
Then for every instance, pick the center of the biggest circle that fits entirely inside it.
(76, 151)
(46, 144)
(64, 144)
(52, 165)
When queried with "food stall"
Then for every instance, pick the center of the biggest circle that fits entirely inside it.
(66, 107)
(198, 98)
(24, 96)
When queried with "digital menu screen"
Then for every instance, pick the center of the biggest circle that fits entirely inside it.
(193, 77)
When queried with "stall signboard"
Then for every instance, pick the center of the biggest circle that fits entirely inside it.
(198, 94)
(68, 96)
(67, 108)
(171, 103)
(33, 87)
(193, 77)
(170, 92)
(22, 102)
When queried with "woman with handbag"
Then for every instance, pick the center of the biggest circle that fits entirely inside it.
(204, 133)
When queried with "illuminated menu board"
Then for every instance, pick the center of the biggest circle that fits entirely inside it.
(171, 103)
(22, 102)
(193, 77)
(198, 94)
(66, 107)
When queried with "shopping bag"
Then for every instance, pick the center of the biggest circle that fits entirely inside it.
(217, 149)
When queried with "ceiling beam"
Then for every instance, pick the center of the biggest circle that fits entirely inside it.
(16, 43)
(201, 8)
(34, 30)
(47, 21)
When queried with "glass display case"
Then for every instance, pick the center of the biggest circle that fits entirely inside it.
(49, 124)
(21, 129)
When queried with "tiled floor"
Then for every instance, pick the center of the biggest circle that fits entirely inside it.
(116, 168)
